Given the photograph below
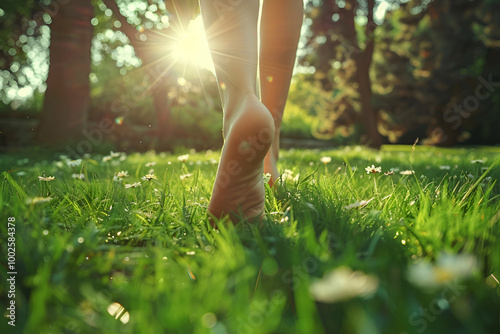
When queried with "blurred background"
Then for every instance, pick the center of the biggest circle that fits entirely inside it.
(136, 75)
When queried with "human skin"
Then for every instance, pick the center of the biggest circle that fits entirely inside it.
(250, 126)
(281, 22)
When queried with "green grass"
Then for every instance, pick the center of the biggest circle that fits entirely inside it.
(151, 249)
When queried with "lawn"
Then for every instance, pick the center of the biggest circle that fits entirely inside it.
(414, 248)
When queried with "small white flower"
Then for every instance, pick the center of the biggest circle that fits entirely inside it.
(287, 176)
(150, 164)
(117, 179)
(106, 158)
(114, 154)
(407, 172)
(447, 267)
(183, 158)
(266, 177)
(343, 284)
(80, 176)
(373, 169)
(358, 204)
(38, 200)
(479, 161)
(74, 163)
(133, 185)
(122, 174)
(185, 176)
(444, 167)
(149, 177)
(325, 160)
(394, 169)
(46, 178)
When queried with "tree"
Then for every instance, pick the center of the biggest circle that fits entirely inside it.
(67, 96)
(428, 71)
(150, 46)
(334, 34)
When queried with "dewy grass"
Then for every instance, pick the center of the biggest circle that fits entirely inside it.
(407, 248)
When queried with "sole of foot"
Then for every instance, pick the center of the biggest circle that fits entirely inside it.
(239, 187)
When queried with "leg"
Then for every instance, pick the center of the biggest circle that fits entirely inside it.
(231, 28)
(280, 31)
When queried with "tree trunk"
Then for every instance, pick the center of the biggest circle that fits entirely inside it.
(363, 63)
(363, 59)
(151, 54)
(67, 96)
(370, 121)
(162, 108)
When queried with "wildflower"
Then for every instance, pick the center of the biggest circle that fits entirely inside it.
(80, 176)
(133, 185)
(185, 176)
(358, 204)
(74, 163)
(447, 267)
(325, 160)
(288, 176)
(394, 169)
(183, 158)
(151, 171)
(38, 200)
(373, 169)
(389, 173)
(266, 177)
(479, 161)
(106, 158)
(149, 177)
(213, 161)
(122, 174)
(21, 173)
(407, 172)
(117, 179)
(46, 179)
(114, 154)
(343, 284)
(444, 167)
(151, 164)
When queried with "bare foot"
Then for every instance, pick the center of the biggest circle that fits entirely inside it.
(239, 188)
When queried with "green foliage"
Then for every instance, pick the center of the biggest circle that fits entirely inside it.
(151, 250)
(428, 61)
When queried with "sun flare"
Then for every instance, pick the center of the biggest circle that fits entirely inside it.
(191, 46)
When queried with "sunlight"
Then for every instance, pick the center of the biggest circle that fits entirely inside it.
(192, 47)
